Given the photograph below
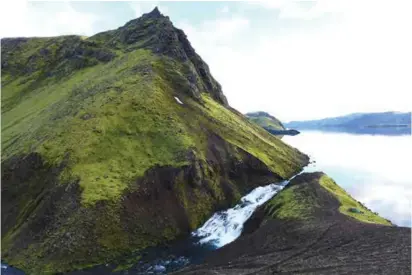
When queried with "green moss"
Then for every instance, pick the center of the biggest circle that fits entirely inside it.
(347, 202)
(235, 128)
(106, 124)
(298, 202)
(292, 203)
(127, 134)
(128, 130)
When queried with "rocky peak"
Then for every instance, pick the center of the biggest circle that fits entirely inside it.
(155, 32)
(155, 13)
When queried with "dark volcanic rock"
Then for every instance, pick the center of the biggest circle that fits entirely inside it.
(325, 242)
(60, 57)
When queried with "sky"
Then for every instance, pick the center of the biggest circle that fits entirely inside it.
(297, 60)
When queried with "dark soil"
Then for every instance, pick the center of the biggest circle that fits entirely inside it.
(326, 242)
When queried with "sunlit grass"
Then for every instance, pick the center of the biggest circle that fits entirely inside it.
(347, 202)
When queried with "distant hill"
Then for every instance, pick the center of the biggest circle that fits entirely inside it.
(357, 121)
(271, 124)
(266, 120)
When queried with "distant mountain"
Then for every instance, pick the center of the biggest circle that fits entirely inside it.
(270, 124)
(266, 120)
(357, 121)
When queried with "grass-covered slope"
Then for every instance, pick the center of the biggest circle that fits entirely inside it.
(298, 202)
(266, 120)
(99, 158)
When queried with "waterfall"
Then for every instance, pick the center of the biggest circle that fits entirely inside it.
(226, 226)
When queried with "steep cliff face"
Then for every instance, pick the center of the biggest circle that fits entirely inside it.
(118, 142)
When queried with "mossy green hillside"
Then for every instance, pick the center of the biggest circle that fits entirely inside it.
(114, 124)
(300, 202)
(293, 203)
(347, 202)
(99, 159)
(236, 129)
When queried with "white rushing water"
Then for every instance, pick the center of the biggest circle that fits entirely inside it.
(226, 226)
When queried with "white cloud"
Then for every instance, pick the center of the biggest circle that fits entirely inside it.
(294, 71)
(214, 36)
(224, 29)
(71, 21)
(224, 9)
(356, 65)
(305, 9)
(23, 18)
(275, 4)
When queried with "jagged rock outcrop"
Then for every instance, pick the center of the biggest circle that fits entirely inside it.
(49, 57)
(156, 32)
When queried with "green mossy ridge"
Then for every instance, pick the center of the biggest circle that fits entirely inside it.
(239, 131)
(127, 132)
(298, 202)
(109, 122)
(292, 203)
(348, 202)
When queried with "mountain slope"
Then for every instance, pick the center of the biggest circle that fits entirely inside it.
(266, 120)
(307, 229)
(117, 142)
(358, 120)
